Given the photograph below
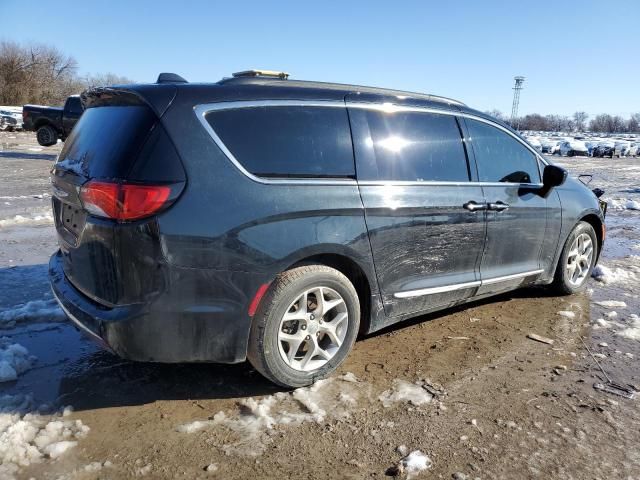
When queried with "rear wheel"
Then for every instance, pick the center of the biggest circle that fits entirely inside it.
(305, 326)
(47, 136)
(577, 260)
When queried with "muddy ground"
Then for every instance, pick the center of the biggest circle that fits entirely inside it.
(500, 404)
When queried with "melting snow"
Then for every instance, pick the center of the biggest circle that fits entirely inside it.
(567, 314)
(332, 398)
(405, 392)
(632, 329)
(612, 275)
(34, 310)
(415, 462)
(612, 304)
(27, 438)
(14, 360)
(44, 217)
(624, 204)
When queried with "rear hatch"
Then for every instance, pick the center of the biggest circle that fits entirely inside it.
(117, 171)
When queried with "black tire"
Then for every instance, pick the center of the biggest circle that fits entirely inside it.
(570, 153)
(263, 350)
(47, 136)
(561, 283)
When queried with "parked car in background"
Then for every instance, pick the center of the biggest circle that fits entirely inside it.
(10, 120)
(535, 143)
(546, 145)
(52, 123)
(621, 148)
(354, 208)
(572, 148)
(605, 148)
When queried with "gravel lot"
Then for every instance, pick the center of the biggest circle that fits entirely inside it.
(465, 387)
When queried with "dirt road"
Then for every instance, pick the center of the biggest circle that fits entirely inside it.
(466, 387)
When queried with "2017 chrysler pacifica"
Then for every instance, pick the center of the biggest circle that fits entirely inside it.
(275, 220)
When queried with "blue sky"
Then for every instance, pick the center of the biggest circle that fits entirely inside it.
(575, 55)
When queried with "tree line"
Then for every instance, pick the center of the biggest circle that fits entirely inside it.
(578, 122)
(42, 74)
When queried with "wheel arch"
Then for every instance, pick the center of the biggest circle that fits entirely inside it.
(356, 275)
(598, 226)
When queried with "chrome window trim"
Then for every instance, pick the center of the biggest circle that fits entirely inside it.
(461, 286)
(202, 110)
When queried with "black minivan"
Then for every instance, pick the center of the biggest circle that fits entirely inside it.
(276, 220)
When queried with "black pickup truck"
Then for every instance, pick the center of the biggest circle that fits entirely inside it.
(51, 123)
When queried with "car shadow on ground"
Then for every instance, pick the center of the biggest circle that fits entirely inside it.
(91, 378)
(28, 156)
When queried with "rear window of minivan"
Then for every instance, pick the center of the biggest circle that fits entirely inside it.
(287, 141)
(106, 140)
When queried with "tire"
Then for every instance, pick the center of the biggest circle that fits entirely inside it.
(47, 136)
(267, 349)
(570, 153)
(562, 283)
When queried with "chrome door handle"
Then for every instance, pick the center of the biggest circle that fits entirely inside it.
(474, 206)
(498, 206)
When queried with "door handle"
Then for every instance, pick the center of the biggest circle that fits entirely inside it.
(474, 206)
(498, 206)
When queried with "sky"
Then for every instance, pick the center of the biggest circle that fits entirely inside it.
(576, 56)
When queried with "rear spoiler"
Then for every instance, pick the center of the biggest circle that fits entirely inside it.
(157, 97)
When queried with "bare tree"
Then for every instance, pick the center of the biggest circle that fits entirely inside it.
(495, 113)
(580, 120)
(633, 125)
(105, 80)
(42, 74)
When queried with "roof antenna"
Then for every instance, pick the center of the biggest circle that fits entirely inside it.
(170, 78)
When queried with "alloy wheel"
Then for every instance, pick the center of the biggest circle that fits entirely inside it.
(579, 259)
(313, 329)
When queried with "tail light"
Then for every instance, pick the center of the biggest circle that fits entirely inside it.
(126, 201)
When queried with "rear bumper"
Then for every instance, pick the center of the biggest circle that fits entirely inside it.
(170, 329)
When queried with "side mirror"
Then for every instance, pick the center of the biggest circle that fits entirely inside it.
(553, 176)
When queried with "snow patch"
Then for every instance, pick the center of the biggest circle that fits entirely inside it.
(330, 399)
(415, 462)
(27, 438)
(608, 275)
(567, 314)
(14, 360)
(405, 392)
(44, 217)
(624, 204)
(33, 310)
(612, 304)
(632, 329)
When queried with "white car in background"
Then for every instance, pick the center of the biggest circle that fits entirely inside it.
(547, 144)
(621, 148)
(572, 148)
(535, 143)
(10, 120)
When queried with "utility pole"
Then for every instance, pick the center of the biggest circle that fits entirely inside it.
(515, 121)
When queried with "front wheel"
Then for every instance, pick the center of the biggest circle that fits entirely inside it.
(577, 260)
(305, 326)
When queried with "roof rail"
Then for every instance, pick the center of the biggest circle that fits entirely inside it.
(167, 77)
(262, 73)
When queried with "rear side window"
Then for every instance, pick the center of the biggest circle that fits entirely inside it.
(409, 146)
(500, 157)
(74, 105)
(106, 140)
(287, 141)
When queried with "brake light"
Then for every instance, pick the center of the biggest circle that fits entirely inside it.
(124, 201)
